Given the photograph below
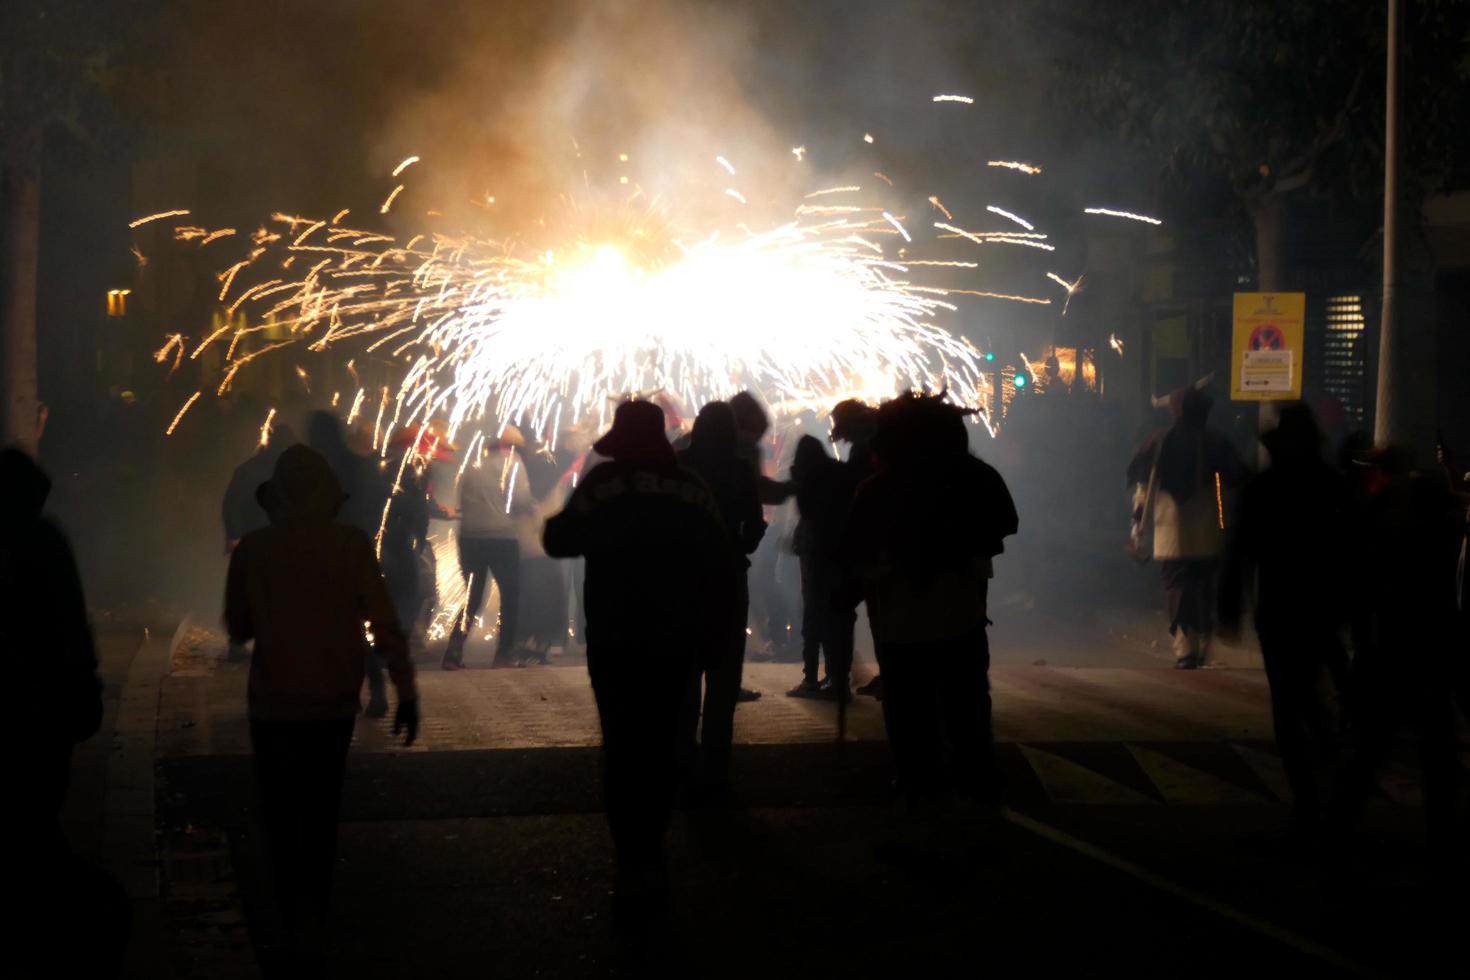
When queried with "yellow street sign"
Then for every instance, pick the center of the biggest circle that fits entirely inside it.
(1267, 347)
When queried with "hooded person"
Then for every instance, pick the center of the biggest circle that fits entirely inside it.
(660, 584)
(1191, 467)
(1290, 557)
(713, 455)
(302, 589)
(73, 919)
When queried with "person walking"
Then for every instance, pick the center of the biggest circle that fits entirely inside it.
(712, 455)
(660, 591)
(492, 491)
(1291, 555)
(302, 589)
(1191, 467)
(918, 548)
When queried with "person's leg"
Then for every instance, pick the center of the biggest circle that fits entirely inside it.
(1205, 595)
(275, 777)
(721, 690)
(963, 695)
(474, 565)
(911, 717)
(639, 695)
(322, 753)
(812, 615)
(1289, 661)
(503, 559)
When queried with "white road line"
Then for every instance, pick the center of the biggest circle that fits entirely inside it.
(1194, 897)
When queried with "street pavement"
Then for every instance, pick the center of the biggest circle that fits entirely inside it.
(1138, 835)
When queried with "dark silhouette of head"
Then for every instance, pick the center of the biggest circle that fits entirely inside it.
(852, 420)
(280, 436)
(23, 488)
(324, 433)
(1296, 437)
(302, 488)
(916, 427)
(750, 418)
(637, 435)
(715, 432)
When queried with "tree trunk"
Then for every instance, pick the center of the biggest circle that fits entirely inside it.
(20, 223)
(1268, 216)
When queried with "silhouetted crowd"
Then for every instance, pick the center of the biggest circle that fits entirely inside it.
(1354, 573)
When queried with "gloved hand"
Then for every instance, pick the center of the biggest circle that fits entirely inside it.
(407, 717)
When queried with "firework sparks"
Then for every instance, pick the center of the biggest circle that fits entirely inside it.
(1011, 217)
(391, 198)
(1116, 343)
(729, 167)
(732, 192)
(1109, 212)
(179, 417)
(934, 200)
(176, 213)
(867, 137)
(1070, 287)
(799, 152)
(408, 162)
(265, 428)
(894, 222)
(954, 98)
(1024, 168)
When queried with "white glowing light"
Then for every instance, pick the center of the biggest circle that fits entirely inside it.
(1109, 212)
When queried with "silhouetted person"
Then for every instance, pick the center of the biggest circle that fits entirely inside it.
(362, 482)
(303, 588)
(488, 545)
(71, 920)
(770, 608)
(1292, 555)
(821, 499)
(853, 422)
(1195, 466)
(1403, 618)
(405, 534)
(241, 511)
(919, 545)
(659, 590)
(713, 456)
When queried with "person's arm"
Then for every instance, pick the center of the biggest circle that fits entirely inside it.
(1236, 570)
(238, 622)
(77, 656)
(565, 534)
(774, 492)
(753, 520)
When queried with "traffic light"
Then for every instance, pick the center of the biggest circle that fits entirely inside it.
(1020, 380)
(990, 355)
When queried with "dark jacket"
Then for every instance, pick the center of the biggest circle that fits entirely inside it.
(56, 689)
(712, 456)
(660, 571)
(304, 588)
(1290, 548)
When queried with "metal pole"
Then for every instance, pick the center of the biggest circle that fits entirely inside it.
(1391, 423)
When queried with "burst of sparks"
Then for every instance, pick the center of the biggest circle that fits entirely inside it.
(408, 162)
(1116, 343)
(265, 428)
(934, 200)
(179, 417)
(954, 98)
(1024, 168)
(1070, 287)
(1109, 212)
(388, 203)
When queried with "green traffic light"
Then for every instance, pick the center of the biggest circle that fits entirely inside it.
(990, 355)
(1020, 381)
